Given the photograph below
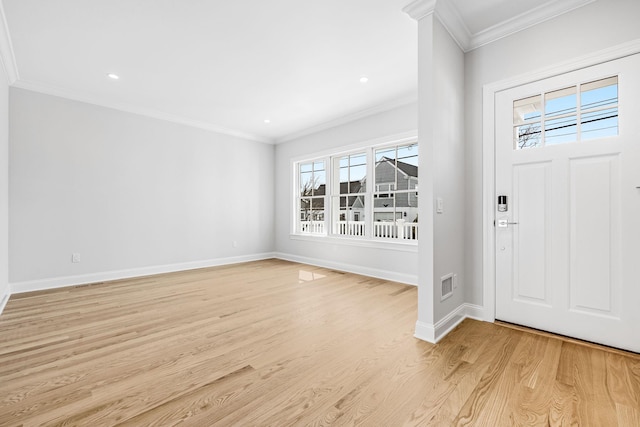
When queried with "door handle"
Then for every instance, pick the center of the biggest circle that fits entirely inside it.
(504, 223)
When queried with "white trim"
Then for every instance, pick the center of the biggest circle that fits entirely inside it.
(174, 118)
(418, 9)
(446, 13)
(374, 243)
(530, 18)
(425, 332)
(488, 214)
(407, 279)
(450, 19)
(5, 299)
(435, 333)
(449, 16)
(135, 109)
(488, 149)
(475, 312)
(60, 282)
(450, 321)
(605, 55)
(347, 118)
(393, 139)
(7, 57)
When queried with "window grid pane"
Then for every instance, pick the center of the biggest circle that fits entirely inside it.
(599, 101)
(312, 188)
(349, 210)
(577, 113)
(395, 205)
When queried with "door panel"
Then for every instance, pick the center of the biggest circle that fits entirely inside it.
(531, 265)
(568, 248)
(594, 235)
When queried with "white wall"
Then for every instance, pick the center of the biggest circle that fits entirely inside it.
(448, 256)
(397, 264)
(597, 26)
(4, 188)
(441, 118)
(129, 193)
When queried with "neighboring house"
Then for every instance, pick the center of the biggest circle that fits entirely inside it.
(391, 176)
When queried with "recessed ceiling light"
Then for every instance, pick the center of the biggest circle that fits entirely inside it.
(113, 76)
(364, 79)
(267, 121)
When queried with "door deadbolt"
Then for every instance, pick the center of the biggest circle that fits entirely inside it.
(502, 204)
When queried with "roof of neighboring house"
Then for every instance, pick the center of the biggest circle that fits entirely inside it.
(356, 186)
(406, 168)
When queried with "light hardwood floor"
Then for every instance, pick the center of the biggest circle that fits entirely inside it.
(278, 343)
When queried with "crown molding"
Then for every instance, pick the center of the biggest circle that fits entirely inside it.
(134, 109)
(7, 56)
(418, 9)
(450, 18)
(160, 115)
(542, 13)
(380, 108)
(446, 13)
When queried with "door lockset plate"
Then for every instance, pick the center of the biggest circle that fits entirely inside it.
(504, 223)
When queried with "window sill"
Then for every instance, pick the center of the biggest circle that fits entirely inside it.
(409, 246)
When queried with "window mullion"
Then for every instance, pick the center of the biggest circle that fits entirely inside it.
(543, 119)
(578, 113)
(368, 197)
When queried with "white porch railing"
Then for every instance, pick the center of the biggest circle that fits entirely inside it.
(350, 228)
(409, 230)
(315, 227)
(398, 229)
(382, 229)
(386, 229)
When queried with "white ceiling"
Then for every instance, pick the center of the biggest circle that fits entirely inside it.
(229, 65)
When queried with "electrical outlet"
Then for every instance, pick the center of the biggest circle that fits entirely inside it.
(75, 257)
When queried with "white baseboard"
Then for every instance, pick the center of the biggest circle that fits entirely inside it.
(476, 312)
(4, 299)
(59, 282)
(425, 332)
(434, 333)
(408, 279)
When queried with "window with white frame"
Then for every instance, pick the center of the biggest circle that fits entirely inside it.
(385, 209)
(348, 199)
(312, 183)
(395, 205)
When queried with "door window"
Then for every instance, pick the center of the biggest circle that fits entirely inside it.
(575, 113)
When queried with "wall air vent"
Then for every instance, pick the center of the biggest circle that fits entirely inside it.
(446, 286)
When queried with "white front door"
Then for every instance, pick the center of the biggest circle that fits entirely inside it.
(568, 245)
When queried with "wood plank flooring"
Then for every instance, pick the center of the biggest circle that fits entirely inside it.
(274, 343)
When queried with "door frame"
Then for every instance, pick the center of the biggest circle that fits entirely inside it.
(489, 92)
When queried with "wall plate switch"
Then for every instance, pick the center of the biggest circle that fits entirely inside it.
(75, 257)
(439, 205)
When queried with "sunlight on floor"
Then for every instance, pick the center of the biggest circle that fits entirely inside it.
(309, 276)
